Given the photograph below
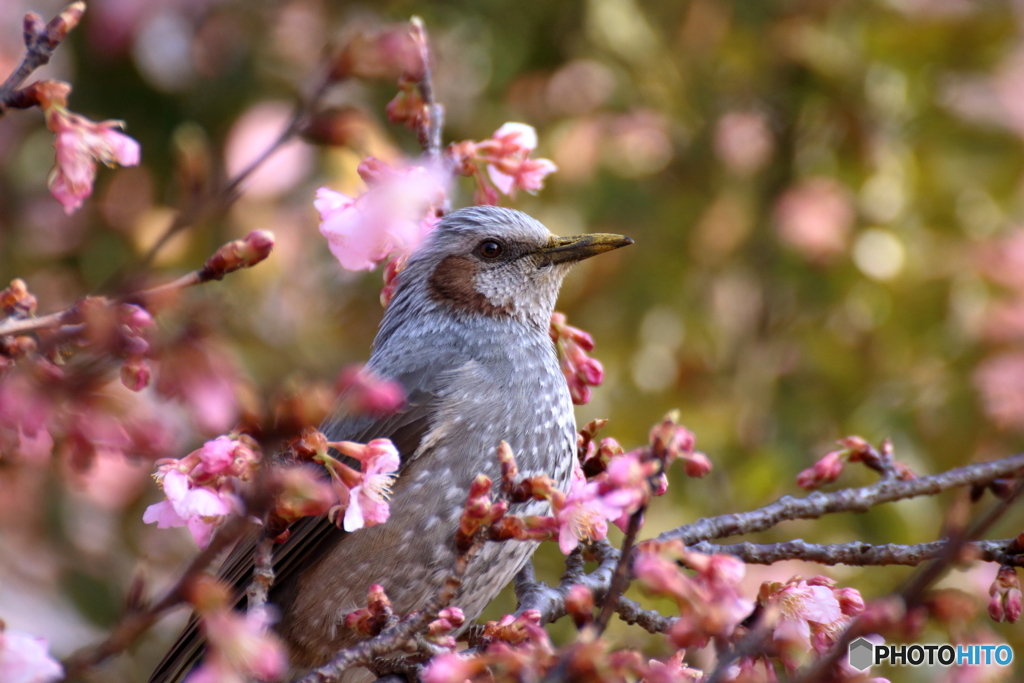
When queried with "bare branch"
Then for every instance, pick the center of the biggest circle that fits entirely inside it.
(860, 554)
(262, 575)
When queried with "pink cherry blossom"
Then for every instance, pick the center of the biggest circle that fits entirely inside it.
(801, 608)
(198, 507)
(365, 392)
(26, 659)
(369, 502)
(389, 219)
(505, 155)
(583, 515)
(80, 143)
(217, 455)
(240, 648)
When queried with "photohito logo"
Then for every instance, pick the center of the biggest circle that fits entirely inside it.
(864, 654)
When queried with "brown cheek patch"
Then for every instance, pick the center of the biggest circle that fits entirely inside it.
(452, 283)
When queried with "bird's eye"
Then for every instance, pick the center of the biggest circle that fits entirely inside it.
(490, 249)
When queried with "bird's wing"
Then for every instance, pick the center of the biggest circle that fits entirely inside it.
(309, 535)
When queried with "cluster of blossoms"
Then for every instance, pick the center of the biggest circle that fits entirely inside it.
(854, 449)
(608, 485)
(807, 615)
(362, 495)
(517, 648)
(203, 487)
(709, 602)
(580, 370)
(239, 646)
(506, 156)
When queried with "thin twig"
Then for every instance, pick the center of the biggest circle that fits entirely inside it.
(40, 43)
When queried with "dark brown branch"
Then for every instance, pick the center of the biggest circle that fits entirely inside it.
(859, 554)
(430, 139)
(818, 504)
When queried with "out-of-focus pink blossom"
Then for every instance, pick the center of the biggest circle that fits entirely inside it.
(815, 217)
(198, 508)
(203, 376)
(80, 143)
(1002, 260)
(451, 668)
(580, 370)
(364, 392)
(804, 610)
(26, 659)
(1000, 382)
(240, 648)
(709, 602)
(390, 219)
(672, 670)
(252, 135)
(743, 142)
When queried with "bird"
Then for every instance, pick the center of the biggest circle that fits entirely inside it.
(466, 334)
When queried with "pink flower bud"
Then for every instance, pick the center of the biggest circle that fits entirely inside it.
(136, 373)
(364, 392)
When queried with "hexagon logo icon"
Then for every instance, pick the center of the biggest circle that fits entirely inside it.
(862, 653)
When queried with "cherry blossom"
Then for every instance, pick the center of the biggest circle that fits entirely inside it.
(505, 155)
(239, 645)
(80, 143)
(200, 488)
(390, 219)
(583, 514)
(26, 659)
(369, 502)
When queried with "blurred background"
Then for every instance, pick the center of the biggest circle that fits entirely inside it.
(826, 198)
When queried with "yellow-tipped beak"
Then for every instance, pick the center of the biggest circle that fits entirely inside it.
(579, 247)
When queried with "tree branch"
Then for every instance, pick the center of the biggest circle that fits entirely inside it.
(860, 554)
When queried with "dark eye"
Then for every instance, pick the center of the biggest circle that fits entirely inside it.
(490, 249)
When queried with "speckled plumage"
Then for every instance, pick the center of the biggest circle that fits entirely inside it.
(468, 338)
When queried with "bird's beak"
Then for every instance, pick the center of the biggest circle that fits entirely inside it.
(579, 247)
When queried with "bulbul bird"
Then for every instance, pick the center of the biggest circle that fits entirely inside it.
(466, 334)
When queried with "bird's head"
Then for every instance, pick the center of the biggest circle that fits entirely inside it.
(495, 262)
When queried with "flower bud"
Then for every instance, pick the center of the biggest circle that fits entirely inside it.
(236, 254)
